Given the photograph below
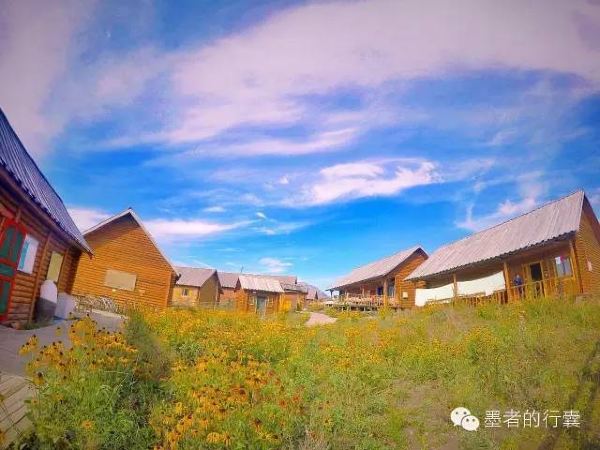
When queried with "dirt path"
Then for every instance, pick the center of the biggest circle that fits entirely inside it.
(319, 319)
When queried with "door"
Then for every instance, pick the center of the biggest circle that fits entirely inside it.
(261, 305)
(537, 276)
(12, 235)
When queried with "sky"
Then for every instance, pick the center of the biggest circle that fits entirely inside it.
(306, 138)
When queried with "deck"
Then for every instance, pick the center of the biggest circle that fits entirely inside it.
(14, 390)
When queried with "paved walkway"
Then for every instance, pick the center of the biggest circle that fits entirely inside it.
(14, 390)
(319, 319)
(11, 340)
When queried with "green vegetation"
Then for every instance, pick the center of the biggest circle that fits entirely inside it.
(209, 379)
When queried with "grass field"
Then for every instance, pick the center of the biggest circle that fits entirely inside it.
(187, 379)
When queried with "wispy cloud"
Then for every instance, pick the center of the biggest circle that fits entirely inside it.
(342, 182)
(531, 189)
(86, 218)
(274, 227)
(274, 265)
(214, 209)
(177, 229)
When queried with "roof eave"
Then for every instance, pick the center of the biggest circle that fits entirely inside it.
(501, 257)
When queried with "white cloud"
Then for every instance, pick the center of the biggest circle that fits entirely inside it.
(505, 210)
(36, 43)
(274, 265)
(272, 72)
(276, 227)
(367, 179)
(214, 209)
(261, 215)
(531, 190)
(174, 229)
(86, 218)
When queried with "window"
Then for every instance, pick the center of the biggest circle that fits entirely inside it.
(184, 292)
(391, 288)
(56, 261)
(120, 280)
(28, 252)
(563, 266)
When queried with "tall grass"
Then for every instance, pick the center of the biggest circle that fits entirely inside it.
(211, 379)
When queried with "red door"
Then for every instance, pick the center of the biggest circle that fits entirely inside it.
(12, 235)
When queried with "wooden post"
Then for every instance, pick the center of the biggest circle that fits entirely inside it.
(575, 267)
(38, 276)
(507, 282)
(455, 285)
(385, 293)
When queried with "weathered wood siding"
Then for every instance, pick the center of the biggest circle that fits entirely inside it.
(190, 300)
(403, 285)
(208, 294)
(26, 288)
(246, 301)
(124, 246)
(587, 245)
(227, 295)
(292, 301)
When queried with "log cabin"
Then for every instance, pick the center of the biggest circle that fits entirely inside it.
(293, 297)
(128, 265)
(553, 250)
(258, 294)
(196, 287)
(382, 282)
(313, 293)
(38, 238)
(229, 284)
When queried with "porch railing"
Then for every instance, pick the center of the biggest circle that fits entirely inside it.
(550, 287)
(364, 300)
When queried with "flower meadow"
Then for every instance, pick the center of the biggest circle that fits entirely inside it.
(187, 379)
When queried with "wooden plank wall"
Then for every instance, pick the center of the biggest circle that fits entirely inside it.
(123, 245)
(27, 286)
(208, 294)
(177, 298)
(402, 285)
(587, 248)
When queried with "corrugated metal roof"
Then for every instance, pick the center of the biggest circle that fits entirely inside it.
(551, 221)
(375, 269)
(229, 279)
(293, 287)
(254, 283)
(130, 212)
(193, 276)
(23, 169)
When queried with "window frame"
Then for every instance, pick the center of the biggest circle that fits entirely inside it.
(26, 257)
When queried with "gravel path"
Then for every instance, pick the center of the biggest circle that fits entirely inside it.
(319, 319)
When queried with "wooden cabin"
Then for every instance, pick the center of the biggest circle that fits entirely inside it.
(128, 266)
(258, 294)
(38, 238)
(196, 287)
(294, 296)
(553, 250)
(229, 284)
(382, 282)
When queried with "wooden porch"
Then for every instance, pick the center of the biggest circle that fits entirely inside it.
(366, 302)
(557, 287)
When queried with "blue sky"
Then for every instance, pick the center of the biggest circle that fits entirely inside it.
(306, 137)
